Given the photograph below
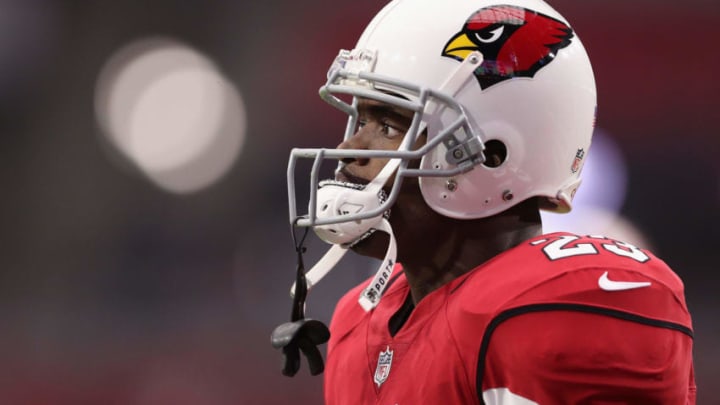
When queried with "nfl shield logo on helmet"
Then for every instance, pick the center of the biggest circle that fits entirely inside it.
(383, 366)
(577, 162)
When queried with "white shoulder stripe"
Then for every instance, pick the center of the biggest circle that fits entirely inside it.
(503, 396)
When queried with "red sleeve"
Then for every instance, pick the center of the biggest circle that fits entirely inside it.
(692, 388)
(560, 356)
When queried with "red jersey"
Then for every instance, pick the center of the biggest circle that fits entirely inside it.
(559, 319)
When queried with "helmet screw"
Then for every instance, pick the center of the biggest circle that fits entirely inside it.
(458, 154)
(451, 185)
(474, 59)
(507, 195)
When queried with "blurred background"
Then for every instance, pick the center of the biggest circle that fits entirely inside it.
(145, 250)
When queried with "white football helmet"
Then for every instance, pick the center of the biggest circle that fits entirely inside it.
(510, 77)
(531, 88)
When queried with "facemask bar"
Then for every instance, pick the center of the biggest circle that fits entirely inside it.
(428, 101)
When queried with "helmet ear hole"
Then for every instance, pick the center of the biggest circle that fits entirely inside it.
(495, 153)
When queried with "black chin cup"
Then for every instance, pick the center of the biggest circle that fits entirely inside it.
(302, 335)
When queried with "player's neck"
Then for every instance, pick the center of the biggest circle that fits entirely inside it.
(464, 245)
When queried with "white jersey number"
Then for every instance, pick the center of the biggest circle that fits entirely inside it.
(564, 247)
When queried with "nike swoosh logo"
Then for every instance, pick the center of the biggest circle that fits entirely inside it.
(610, 285)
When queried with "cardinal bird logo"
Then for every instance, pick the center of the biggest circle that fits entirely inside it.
(514, 42)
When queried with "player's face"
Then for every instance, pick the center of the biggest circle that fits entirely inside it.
(383, 127)
(380, 127)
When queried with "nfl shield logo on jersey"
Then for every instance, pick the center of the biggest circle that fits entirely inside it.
(383, 366)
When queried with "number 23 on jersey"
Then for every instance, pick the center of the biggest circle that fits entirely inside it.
(563, 246)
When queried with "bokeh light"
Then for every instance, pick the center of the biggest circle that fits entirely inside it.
(169, 110)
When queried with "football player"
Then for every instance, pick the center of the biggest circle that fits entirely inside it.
(467, 117)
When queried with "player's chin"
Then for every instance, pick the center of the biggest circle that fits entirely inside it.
(374, 245)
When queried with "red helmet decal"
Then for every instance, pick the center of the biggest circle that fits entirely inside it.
(514, 42)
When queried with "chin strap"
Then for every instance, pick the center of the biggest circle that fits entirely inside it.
(340, 248)
(322, 267)
(371, 295)
(305, 335)
(300, 334)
